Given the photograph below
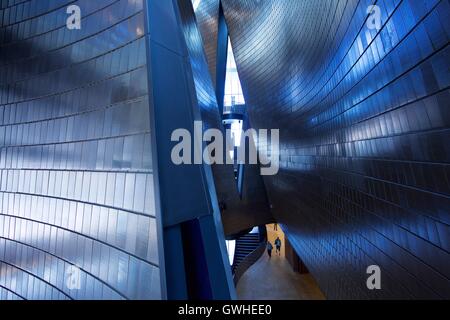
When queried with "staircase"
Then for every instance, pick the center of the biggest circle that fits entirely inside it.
(244, 246)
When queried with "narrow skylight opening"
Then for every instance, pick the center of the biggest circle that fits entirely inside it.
(195, 4)
(233, 89)
(231, 246)
(236, 132)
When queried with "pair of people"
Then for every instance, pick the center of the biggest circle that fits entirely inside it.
(269, 247)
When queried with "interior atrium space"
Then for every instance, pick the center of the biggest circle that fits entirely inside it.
(229, 150)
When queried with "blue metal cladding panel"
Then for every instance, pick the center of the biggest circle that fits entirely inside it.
(206, 97)
(76, 182)
(364, 124)
(207, 14)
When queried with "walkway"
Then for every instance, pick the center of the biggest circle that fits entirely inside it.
(274, 279)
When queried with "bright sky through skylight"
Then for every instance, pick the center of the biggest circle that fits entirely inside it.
(233, 89)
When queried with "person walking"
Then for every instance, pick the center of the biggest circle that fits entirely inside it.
(278, 245)
(269, 249)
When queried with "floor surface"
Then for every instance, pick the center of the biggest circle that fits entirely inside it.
(274, 279)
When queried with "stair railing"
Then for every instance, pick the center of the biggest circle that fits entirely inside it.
(252, 257)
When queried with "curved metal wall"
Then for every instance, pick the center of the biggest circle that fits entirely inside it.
(364, 128)
(75, 155)
(207, 15)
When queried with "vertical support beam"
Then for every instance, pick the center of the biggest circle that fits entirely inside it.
(215, 258)
(195, 260)
(196, 264)
(158, 211)
(221, 60)
(174, 263)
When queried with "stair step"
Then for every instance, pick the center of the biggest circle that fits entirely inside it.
(253, 244)
(245, 245)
